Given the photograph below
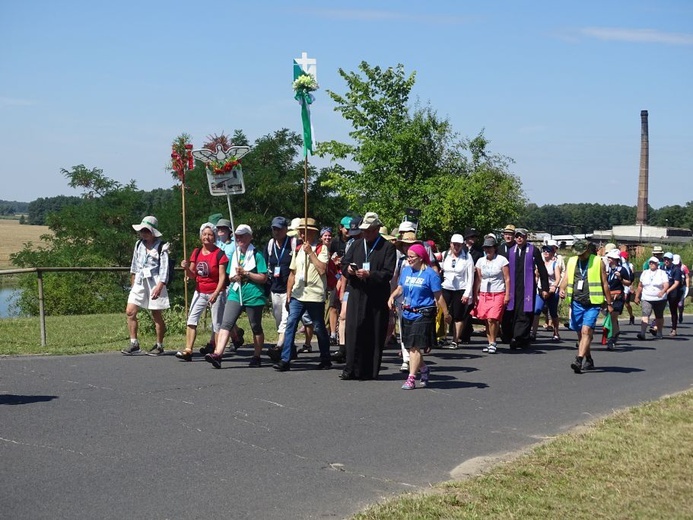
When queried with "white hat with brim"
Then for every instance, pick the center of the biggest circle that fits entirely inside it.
(457, 239)
(150, 223)
(653, 260)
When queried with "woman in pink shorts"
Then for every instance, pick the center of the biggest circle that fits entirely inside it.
(491, 290)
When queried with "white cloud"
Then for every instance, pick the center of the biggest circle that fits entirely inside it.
(15, 102)
(637, 35)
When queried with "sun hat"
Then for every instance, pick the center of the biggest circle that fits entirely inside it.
(489, 242)
(657, 250)
(614, 253)
(580, 246)
(222, 222)
(345, 221)
(669, 255)
(408, 237)
(653, 260)
(243, 229)
(457, 239)
(293, 227)
(677, 259)
(407, 225)
(384, 233)
(552, 243)
(509, 229)
(280, 222)
(307, 224)
(354, 229)
(211, 226)
(609, 246)
(420, 251)
(149, 222)
(370, 220)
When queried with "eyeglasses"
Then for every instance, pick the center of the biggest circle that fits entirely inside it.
(412, 257)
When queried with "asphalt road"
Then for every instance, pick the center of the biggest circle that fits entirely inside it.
(112, 437)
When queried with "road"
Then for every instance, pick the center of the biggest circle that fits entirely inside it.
(110, 437)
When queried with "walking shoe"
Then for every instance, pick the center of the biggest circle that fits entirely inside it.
(640, 336)
(334, 341)
(282, 366)
(186, 355)
(214, 359)
(673, 332)
(631, 320)
(404, 367)
(577, 365)
(274, 353)
(207, 349)
(451, 345)
(653, 331)
(239, 341)
(324, 365)
(306, 349)
(589, 364)
(340, 355)
(533, 337)
(610, 344)
(425, 373)
(556, 338)
(255, 362)
(156, 350)
(132, 348)
(485, 349)
(492, 348)
(410, 383)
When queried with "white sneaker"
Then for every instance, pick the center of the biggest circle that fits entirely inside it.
(485, 349)
(404, 367)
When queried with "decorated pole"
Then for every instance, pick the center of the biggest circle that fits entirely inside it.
(305, 82)
(224, 177)
(182, 161)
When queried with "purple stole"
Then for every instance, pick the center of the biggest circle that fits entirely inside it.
(529, 278)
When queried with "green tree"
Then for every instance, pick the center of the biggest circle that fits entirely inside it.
(411, 158)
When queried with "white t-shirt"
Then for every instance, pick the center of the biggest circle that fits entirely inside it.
(652, 284)
(458, 273)
(492, 279)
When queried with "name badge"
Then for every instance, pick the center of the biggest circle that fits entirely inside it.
(580, 284)
(146, 272)
(366, 266)
(277, 271)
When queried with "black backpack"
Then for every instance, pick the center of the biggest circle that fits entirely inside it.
(171, 263)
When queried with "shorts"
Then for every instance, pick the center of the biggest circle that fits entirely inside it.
(490, 306)
(139, 295)
(551, 303)
(581, 316)
(658, 306)
(199, 303)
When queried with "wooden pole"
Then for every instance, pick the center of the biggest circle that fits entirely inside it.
(185, 248)
(305, 210)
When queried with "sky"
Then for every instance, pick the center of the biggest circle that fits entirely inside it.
(556, 86)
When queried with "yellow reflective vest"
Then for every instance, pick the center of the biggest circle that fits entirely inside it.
(594, 279)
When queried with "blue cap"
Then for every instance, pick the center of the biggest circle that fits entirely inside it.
(280, 222)
(345, 221)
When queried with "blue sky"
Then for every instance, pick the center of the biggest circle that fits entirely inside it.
(556, 86)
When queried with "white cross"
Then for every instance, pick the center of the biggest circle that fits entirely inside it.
(308, 65)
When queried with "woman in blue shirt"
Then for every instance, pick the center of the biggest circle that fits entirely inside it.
(419, 287)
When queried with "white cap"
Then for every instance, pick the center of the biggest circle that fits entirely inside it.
(677, 259)
(457, 239)
(243, 229)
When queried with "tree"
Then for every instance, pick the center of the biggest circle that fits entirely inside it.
(411, 158)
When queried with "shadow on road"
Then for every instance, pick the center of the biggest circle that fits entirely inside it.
(25, 399)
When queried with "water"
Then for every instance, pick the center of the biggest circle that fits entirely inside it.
(7, 296)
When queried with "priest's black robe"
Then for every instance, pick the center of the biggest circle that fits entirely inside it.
(367, 311)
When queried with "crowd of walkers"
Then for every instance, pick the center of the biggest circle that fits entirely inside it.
(361, 288)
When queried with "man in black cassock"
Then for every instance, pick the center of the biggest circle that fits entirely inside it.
(368, 265)
(525, 260)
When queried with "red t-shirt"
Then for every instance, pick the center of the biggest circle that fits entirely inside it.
(207, 269)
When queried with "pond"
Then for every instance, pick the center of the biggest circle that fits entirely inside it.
(7, 296)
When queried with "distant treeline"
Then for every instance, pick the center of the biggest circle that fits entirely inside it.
(12, 207)
(553, 218)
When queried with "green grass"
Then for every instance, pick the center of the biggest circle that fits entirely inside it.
(635, 464)
(93, 333)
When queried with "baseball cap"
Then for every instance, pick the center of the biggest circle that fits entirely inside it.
(280, 222)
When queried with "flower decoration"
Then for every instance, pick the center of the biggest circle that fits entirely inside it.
(220, 167)
(305, 83)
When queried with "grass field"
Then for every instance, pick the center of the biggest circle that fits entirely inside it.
(13, 236)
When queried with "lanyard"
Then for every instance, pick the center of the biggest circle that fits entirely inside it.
(279, 256)
(583, 270)
(368, 253)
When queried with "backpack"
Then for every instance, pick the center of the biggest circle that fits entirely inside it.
(220, 255)
(332, 271)
(171, 262)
